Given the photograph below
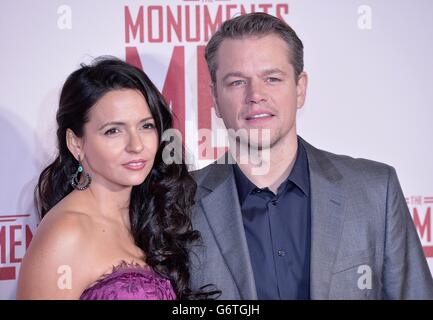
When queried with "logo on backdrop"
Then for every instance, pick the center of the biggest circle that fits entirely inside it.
(189, 23)
(15, 237)
(420, 209)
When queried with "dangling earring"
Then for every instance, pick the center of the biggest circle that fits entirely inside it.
(75, 180)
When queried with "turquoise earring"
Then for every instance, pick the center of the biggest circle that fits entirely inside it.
(76, 177)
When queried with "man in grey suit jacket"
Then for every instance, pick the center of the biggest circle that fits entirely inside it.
(313, 225)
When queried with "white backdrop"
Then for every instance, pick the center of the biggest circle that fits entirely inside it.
(370, 93)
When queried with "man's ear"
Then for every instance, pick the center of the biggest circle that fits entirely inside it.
(301, 89)
(74, 144)
(214, 100)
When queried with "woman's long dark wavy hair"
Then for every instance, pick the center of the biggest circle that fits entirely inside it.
(159, 208)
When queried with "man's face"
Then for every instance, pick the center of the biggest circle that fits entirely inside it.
(256, 87)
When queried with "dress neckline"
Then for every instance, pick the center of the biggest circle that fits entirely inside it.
(123, 266)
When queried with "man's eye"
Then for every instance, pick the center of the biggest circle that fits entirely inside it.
(148, 126)
(237, 83)
(273, 79)
(111, 131)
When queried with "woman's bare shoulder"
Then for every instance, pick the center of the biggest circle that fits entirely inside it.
(61, 247)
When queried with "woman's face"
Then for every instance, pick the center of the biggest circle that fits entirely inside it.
(120, 140)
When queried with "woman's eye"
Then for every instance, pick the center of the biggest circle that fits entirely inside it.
(148, 126)
(111, 131)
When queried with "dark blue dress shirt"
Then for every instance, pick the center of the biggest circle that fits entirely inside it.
(278, 232)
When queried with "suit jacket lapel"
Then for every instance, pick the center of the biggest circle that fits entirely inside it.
(222, 209)
(327, 216)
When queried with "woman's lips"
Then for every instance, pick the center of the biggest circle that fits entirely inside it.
(135, 165)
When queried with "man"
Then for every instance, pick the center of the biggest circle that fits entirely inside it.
(316, 225)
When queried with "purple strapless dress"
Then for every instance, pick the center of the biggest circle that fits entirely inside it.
(130, 282)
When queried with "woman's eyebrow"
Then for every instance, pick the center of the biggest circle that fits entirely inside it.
(120, 123)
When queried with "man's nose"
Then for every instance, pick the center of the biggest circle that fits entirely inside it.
(256, 92)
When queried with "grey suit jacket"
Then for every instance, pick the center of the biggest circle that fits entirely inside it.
(363, 241)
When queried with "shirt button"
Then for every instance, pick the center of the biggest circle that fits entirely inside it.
(281, 253)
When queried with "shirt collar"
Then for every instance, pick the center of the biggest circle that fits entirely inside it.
(299, 176)
(243, 184)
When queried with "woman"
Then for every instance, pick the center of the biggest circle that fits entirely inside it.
(115, 217)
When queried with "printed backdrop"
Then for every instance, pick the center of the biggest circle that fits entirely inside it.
(370, 92)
